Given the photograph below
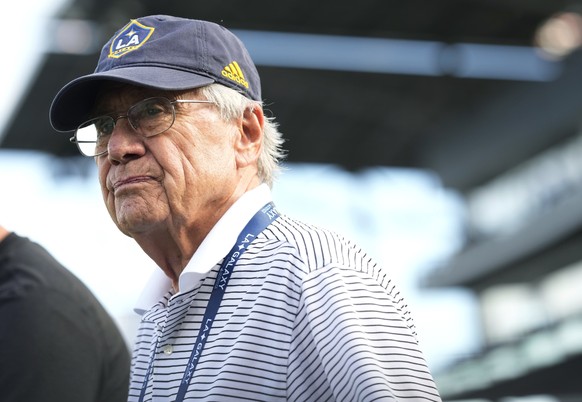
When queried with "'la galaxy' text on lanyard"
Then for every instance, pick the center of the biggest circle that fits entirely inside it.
(256, 225)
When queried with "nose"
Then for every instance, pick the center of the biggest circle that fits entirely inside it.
(124, 143)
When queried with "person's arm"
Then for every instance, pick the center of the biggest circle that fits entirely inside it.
(45, 352)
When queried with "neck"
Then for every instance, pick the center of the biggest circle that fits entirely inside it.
(3, 233)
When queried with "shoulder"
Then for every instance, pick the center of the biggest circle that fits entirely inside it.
(34, 281)
(28, 268)
(318, 247)
(23, 267)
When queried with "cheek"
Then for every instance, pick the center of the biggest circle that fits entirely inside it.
(102, 171)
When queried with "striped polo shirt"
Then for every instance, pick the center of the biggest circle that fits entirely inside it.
(307, 316)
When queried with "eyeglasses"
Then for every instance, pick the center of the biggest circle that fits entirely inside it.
(149, 117)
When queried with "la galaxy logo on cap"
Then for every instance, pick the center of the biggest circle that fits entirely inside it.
(130, 38)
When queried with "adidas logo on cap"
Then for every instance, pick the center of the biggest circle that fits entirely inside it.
(233, 72)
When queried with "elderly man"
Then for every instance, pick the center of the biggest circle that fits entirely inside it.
(248, 304)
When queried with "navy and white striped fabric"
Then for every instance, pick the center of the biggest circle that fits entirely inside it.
(307, 316)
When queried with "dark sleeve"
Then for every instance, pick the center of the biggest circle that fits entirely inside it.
(45, 352)
(57, 342)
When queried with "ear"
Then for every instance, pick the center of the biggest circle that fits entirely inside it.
(250, 139)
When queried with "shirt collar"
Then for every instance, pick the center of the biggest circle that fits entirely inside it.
(213, 248)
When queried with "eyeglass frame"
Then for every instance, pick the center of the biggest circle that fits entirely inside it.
(115, 118)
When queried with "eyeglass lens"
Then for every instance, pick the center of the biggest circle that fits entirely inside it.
(149, 117)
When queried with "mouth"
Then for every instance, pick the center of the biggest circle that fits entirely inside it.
(129, 181)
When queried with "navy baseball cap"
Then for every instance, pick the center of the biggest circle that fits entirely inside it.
(161, 52)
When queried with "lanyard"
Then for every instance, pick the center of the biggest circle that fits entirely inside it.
(256, 225)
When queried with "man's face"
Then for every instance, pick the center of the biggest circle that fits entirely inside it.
(180, 178)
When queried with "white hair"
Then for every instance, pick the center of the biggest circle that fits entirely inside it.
(232, 105)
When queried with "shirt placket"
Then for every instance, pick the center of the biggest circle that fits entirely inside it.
(166, 328)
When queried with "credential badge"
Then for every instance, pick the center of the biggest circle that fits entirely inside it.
(132, 37)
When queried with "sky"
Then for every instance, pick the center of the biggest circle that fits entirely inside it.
(403, 218)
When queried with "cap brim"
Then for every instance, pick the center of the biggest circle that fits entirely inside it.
(73, 104)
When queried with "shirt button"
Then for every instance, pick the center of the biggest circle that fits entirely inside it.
(168, 349)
